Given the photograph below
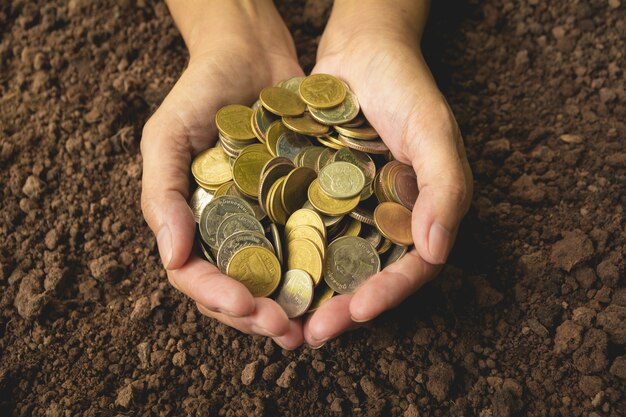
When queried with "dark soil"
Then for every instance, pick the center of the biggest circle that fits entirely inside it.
(530, 320)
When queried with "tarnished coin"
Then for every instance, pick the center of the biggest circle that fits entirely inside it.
(362, 132)
(350, 262)
(322, 91)
(305, 217)
(322, 294)
(211, 168)
(199, 199)
(281, 101)
(341, 114)
(292, 84)
(216, 211)
(305, 125)
(303, 254)
(294, 190)
(237, 223)
(329, 205)
(295, 293)
(290, 144)
(341, 180)
(257, 268)
(393, 220)
(234, 121)
(238, 241)
(247, 171)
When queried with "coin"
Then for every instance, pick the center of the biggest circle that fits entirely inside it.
(371, 234)
(322, 91)
(394, 254)
(309, 157)
(369, 146)
(321, 294)
(308, 233)
(295, 293)
(234, 121)
(329, 144)
(199, 199)
(305, 125)
(303, 254)
(294, 190)
(278, 246)
(354, 228)
(275, 205)
(269, 178)
(274, 131)
(361, 160)
(215, 212)
(222, 189)
(350, 262)
(205, 252)
(393, 220)
(305, 217)
(329, 221)
(237, 223)
(325, 158)
(405, 186)
(211, 168)
(384, 246)
(257, 268)
(328, 205)
(343, 113)
(281, 101)
(292, 84)
(259, 213)
(238, 241)
(362, 132)
(247, 171)
(341, 180)
(363, 215)
(289, 144)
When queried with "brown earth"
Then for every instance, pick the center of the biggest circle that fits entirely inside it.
(530, 320)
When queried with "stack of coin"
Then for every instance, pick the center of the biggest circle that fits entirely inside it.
(300, 198)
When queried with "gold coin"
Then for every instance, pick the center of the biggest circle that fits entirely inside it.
(329, 144)
(281, 101)
(322, 294)
(258, 147)
(294, 191)
(384, 247)
(341, 114)
(292, 84)
(342, 180)
(308, 233)
(354, 228)
(295, 293)
(322, 91)
(290, 144)
(369, 146)
(328, 205)
(309, 157)
(362, 132)
(278, 245)
(237, 241)
(211, 167)
(273, 134)
(234, 121)
(223, 189)
(247, 171)
(269, 177)
(305, 125)
(393, 220)
(276, 205)
(198, 201)
(329, 221)
(325, 158)
(305, 217)
(257, 268)
(303, 254)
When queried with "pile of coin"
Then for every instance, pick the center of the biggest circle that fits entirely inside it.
(300, 199)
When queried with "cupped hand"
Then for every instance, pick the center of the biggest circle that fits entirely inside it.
(399, 97)
(183, 126)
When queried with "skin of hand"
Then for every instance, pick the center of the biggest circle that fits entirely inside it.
(236, 48)
(375, 48)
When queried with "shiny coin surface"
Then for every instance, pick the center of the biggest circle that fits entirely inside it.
(199, 199)
(361, 160)
(238, 241)
(237, 223)
(322, 91)
(211, 168)
(295, 293)
(393, 220)
(369, 146)
(308, 233)
(269, 178)
(303, 254)
(341, 180)
(234, 122)
(350, 262)
(329, 205)
(322, 294)
(341, 114)
(294, 190)
(257, 268)
(292, 84)
(305, 125)
(247, 171)
(405, 188)
(215, 212)
(282, 102)
(278, 245)
(362, 132)
(305, 217)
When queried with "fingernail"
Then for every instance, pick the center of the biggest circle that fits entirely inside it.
(317, 347)
(322, 340)
(262, 330)
(280, 344)
(359, 321)
(164, 242)
(439, 241)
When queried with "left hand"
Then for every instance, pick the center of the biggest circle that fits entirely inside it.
(398, 96)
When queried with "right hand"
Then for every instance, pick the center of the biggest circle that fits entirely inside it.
(229, 71)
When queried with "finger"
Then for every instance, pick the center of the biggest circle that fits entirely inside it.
(267, 319)
(329, 321)
(294, 336)
(213, 290)
(391, 286)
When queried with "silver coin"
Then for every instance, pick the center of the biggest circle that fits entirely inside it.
(216, 211)
(237, 223)
(198, 201)
(350, 261)
(295, 294)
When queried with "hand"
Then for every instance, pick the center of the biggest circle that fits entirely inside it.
(222, 70)
(398, 95)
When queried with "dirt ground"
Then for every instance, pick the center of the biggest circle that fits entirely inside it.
(529, 319)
